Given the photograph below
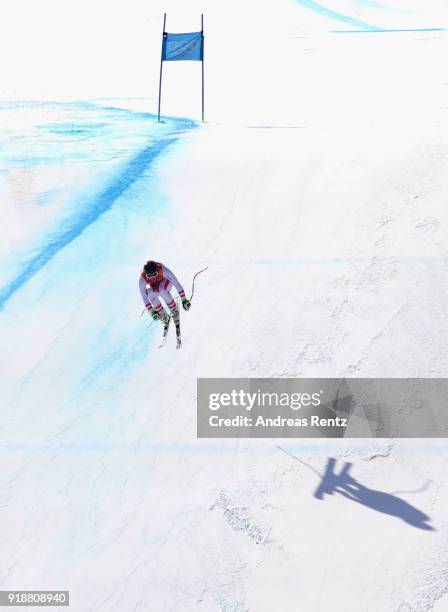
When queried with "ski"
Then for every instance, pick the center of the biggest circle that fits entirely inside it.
(166, 327)
(176, 318)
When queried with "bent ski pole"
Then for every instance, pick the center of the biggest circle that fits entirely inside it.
(194, 278)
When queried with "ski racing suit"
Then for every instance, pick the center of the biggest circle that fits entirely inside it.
(152, 289)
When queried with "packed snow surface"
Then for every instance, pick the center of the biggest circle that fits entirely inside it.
(316, 195)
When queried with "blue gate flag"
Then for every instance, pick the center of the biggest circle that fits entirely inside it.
(183, 47)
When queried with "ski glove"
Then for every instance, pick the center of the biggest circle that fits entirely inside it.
(186, 304)
(155, 315)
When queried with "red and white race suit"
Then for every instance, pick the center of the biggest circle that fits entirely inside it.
(152, 289)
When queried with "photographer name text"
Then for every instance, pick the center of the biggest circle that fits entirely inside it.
(278, 421)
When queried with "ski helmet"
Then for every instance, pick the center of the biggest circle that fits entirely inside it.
(150, 269)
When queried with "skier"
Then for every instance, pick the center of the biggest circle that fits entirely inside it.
(155, 282)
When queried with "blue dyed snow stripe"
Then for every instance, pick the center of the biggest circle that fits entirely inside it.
(379, 30)
(323, 10)
(342, 261)
(303, 447)
(380, 5)
(101, 204)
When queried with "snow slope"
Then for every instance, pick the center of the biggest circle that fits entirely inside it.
(316, 197)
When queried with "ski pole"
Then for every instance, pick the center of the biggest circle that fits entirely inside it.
(194, 278)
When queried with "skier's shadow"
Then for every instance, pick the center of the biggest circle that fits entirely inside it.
(346, 485)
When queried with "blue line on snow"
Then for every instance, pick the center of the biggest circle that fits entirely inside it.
(374, 5)
(323, 10)
(262, 448)
(380, 5)
(103, 202)
(386, 30)
(324, 261)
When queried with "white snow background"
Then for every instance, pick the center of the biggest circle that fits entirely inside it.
(316, 194)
